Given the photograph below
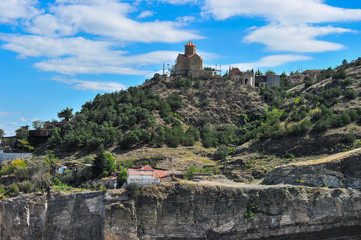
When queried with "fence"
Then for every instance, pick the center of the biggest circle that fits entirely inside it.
(12, 156)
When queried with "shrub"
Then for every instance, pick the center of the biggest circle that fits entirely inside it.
(189, 173)
(307, 81)
(300, 128)
(2, 191)
(347, 82)
(349, 139)
(122, 177)
(322, 125)
(13, 190)
(350, 93)
(27, 186)
(129, 139)
(133, 190)
(339, 74)
(353, 114)
(221, 153)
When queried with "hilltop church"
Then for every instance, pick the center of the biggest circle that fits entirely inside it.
(189, 61)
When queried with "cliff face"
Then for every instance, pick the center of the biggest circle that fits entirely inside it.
(184, 211)
(343, 172)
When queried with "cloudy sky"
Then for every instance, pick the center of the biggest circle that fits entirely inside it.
(61, 53)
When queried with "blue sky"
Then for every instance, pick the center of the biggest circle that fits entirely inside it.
(61, 53)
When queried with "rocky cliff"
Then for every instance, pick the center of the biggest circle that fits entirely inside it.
(338, 171)
(186, 211)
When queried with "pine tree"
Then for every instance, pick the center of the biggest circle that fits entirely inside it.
(99, 163)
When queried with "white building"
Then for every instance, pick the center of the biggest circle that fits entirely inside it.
(147, 176)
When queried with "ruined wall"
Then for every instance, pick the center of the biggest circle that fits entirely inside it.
(183, 211)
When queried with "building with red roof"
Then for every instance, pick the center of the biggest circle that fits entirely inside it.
(147, 175)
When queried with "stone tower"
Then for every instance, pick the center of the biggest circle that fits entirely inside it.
(189, 49)
(189, 61)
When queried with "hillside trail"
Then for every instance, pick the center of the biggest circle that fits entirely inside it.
(330, 158)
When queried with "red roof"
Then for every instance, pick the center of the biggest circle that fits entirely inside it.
(190, 44)
(146, 168)
(148, 171)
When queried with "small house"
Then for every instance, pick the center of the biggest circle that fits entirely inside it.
(148, 176)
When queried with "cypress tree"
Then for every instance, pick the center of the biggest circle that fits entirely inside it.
(99, 163)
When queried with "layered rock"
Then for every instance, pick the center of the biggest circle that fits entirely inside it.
(184, 211)
(342, 172)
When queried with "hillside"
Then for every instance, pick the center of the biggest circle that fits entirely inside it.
(214, 101)
(214, 126)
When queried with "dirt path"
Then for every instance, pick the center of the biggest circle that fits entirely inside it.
(338, 156)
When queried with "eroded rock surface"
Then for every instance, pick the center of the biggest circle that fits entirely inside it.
(183, 211)
(340, 173)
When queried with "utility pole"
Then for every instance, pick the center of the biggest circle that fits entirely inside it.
(163, 68)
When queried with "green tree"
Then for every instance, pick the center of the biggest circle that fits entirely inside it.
(158, 137)
(67, 114)
(258, 72)
(55, 138)
(190, 136)
(22, 133)
(51, 161)
(110, 162)
(307, 81)
(122, 177)
(38, 124)
(221, 153)
(99, 163)
(129, 139)
(2, 133)
(270, 72)
(24, 144)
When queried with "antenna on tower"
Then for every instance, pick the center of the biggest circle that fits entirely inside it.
(163, 68)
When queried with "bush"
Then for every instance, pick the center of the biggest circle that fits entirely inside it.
(21, 173)
(347, 82)
(350, 93)
(349, 139)
(122, 177)
(209, 137)
(189, 173)
(307, 81)
(339, 74)
(13, 190)
(221, 153)
(27, 186)
(322, 125)
(133, 190)
(129, 139)
(2, 191)
(300, 128)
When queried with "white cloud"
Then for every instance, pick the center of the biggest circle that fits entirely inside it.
(5, 114)
(290, 27)
(300, 38)
(11, 10)
(175, 2)
(72, 56)
(146, 14)
(281, 11)
(53, 37)
(91, 85)
(13, 123)
(186, 19)
(107, 18)
(22, 119)
(270, 61)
